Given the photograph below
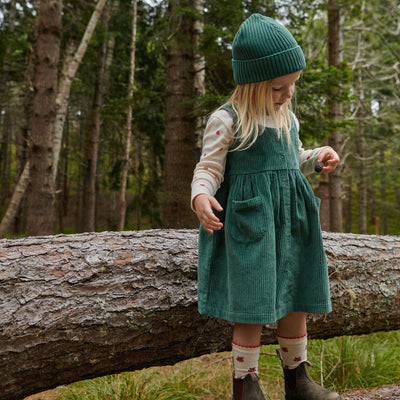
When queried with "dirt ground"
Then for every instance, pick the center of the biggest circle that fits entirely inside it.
(48, 395)
(389, 392)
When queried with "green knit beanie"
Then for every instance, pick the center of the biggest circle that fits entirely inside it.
(263, 49)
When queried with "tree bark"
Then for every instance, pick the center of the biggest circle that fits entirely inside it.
(180, 139)
(79, 306)
(41, 193)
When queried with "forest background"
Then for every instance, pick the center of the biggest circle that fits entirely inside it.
(102, 107)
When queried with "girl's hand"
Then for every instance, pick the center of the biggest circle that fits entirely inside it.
(329, 158)
(203, 204)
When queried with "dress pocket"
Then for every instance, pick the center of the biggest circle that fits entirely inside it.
(249, 220)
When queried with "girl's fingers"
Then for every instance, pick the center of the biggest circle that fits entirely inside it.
(214, 203)
(211, 224)
(204, 210)
(329, 158)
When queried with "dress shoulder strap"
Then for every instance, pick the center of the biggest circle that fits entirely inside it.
(228, 108)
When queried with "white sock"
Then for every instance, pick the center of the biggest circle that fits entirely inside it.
(293, 351)
(245, 360)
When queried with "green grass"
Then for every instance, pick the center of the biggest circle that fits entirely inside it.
(361, 362)
(342, 363)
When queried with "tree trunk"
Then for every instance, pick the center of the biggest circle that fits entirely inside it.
(40, 200)
(180, 139)
(62, 181)
(5, 150)
(6, 110)
(93, 141)
(15, 202)
(79, 306)
(335, 48)
(360, 138)
(22, 141)
(397, 190)
(66, 82)
(323, 194)
(199, 74)
(79, 191)
(348, 203)
(140, 170)
(362, 184)
(384, 216)
(62, 109)
(127, 145)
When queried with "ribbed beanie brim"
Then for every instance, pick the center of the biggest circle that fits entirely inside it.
(263, 49)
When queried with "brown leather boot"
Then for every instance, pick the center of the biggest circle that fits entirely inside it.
(299, 385)
(247, 388)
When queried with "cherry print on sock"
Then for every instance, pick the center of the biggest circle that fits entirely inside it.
(240, 359)
(253, 369)
(297, 359)
(285, 349)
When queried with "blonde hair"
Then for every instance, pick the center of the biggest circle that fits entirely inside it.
(253, 106)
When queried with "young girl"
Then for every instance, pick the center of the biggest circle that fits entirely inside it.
(261, 256)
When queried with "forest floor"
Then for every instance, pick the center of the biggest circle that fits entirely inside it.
(389, 392)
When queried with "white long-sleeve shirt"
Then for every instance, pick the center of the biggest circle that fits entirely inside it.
(217, 140)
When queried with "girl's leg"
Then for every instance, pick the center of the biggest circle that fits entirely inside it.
(247, 335)
(292, 338)
(246, 343)
(292, 325)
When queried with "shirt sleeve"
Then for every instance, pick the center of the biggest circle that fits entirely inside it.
(308, 158)
(218, 138)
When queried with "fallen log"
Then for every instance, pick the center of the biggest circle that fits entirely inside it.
(74, 307)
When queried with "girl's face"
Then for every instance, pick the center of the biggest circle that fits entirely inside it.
(283, 89)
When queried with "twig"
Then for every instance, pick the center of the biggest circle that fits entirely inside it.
(330, 373)
(269, 354)
(208, 366)
(321, 359)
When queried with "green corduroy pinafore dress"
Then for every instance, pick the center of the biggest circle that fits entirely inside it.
(268, 259)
